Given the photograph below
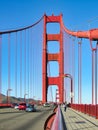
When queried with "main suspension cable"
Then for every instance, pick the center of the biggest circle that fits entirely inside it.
(21, 29)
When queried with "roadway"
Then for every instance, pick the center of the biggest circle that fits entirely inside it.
(12, 119)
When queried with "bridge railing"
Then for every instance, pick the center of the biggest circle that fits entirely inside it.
(5, 105)
(58, 121)
(89, 109)
(55, 121)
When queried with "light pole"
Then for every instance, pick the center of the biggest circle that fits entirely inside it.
(69, 76)
(8, 94)
(25, 97)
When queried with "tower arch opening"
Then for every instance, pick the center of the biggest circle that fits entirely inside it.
(53, 28)
(53, 47)
(53, 93)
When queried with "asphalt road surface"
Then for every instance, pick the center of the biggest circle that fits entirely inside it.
(12, 119)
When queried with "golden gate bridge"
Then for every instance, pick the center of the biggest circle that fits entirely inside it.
(24, 62)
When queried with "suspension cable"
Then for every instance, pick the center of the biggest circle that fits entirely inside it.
(79, 71)
(31, 63)
(9, 61)
(25, 62)
(90, 34)
(73, 67)
(66, 64)
(93, 67)
(16, 66)
(50, 76)
(94, 50)
(20, 64)
(21, 29)
(28, 62)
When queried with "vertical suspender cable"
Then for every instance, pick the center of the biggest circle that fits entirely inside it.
(66, 65)
(16, 66)
(34, 71)
(96, 52)
(30, 91)
(20, 64)
(73, 67)
(25, 62)
(0, 68)
(32, 65)
(93, 76)
(70, 55)
(64, 68)
(93, 70)
(96, 73)
(37, 76)
(70, 61)
(9, 61)
(28, 61)
(50, 76)
(36, 63)
(50, 87)
(79, 72)
(78, 76)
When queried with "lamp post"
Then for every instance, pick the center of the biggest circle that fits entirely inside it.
(8, 94)
(69, 76)
(25, 97)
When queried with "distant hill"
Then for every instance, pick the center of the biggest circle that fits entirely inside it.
(13, 99)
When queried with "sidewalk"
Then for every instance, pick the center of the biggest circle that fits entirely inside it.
(75, 120)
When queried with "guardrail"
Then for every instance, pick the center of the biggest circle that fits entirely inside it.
(55, 121)
(2, 105)
(58, 122)
(90, 109)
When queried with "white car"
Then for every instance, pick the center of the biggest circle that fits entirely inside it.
(16, 106)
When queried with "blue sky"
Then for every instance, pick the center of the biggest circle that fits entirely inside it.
(23, 12)
(77, 15)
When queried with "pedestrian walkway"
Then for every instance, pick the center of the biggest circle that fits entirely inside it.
(75, 120)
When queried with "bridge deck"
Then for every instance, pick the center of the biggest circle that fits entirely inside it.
(75, 120)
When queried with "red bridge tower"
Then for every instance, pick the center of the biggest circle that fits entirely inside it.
(59, 57)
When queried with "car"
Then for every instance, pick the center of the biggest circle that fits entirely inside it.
(16, 106)
(22, 106)
(30, 108)
(46, 104)
(13, 105)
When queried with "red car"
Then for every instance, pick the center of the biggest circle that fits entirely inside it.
(22, 106)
